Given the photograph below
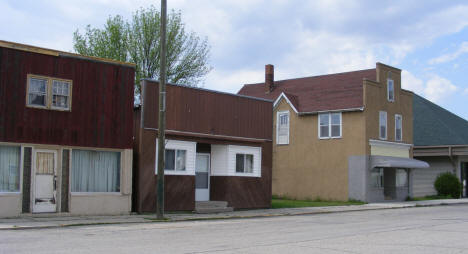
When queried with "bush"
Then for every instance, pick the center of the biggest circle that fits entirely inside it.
(448, 184)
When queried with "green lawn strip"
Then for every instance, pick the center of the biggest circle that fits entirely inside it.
(291, 203)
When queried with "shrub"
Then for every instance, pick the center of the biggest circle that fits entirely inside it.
(448, 184)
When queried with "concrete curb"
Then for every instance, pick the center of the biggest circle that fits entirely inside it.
(280, 213)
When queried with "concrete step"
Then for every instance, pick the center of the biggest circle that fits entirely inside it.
(212, 207)
(208, 204)
(214, 210)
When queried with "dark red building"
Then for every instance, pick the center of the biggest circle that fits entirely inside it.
(65, 132)
(218, 148)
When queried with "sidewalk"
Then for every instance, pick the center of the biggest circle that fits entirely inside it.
(49, 221)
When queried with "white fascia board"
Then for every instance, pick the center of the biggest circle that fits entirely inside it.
(382, 143)
(282, 95)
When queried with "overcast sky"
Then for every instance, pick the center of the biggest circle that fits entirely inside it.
(428, 40)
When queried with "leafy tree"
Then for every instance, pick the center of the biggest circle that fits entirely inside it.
(137, 41)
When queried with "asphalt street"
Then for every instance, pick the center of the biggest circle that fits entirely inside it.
(441, 229)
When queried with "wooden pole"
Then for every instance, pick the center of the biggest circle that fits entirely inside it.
(162, 114)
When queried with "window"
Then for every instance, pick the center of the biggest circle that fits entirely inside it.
(37, 92)
(175, 159)
(9, 168)
(330, 125)
(282, 129)
(390, 88)
(398, 128)
(401, 178)
(244, 163)
(383, 125)
(95, 171)
(377, 177)
(49, 93)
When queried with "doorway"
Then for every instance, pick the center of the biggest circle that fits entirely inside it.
(464, 180)
(45, 181)
(202, 177)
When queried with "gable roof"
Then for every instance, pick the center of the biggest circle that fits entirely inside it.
(339, 91)
(435, 126)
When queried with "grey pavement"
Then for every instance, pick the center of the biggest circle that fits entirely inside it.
(434, 229)
(52, 221)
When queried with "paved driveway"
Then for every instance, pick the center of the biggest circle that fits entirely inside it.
(442, 229)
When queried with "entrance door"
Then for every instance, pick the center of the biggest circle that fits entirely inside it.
(45, 166)
(202, 177)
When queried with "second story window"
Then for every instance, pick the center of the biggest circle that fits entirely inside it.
(330, 125)
(398, 128)
(390, 88)
(383, 125)
(282, 128)
(48, 93)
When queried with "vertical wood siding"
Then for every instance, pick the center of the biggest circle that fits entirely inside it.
(207, 112)
(102, 102)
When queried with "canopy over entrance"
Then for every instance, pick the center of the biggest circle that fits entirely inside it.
(378, 161)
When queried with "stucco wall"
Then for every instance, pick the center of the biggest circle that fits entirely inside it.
(375, 100)
(309, 167)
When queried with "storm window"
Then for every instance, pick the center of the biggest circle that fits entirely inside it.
(48, 93)
(383, 125)
(330, 125)
(398, 128)
(244, 163)
(282, 128)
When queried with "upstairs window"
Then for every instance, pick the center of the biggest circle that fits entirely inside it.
(282, 128)
(244, 163)
(383, 125)
(398, 128)
(48, 93)
(330, 125)
(390, 88)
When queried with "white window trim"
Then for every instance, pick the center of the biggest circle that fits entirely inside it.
(401, 121)
(388, 89)
(386, 125)
(330, 125)
(88, 193)
(278, 114)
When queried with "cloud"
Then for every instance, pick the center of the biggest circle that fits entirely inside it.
(451, 56)
(435, 88)
(466, 91)
(410, 82)
(438, 88)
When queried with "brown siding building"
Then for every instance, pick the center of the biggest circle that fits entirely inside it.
(340, 136)
(65, 132)
(218, 148)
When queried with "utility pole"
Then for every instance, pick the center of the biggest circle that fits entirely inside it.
(162, 114)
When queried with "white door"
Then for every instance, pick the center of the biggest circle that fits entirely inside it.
(202, 177)
(44, 194)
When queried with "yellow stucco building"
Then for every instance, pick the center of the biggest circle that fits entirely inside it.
(341, 136)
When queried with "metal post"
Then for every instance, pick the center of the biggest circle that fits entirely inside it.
(162, 114)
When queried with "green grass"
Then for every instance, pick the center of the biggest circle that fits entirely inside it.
(434, 197)
(277, 202)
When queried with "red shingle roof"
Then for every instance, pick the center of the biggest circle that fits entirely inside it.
(318, 93)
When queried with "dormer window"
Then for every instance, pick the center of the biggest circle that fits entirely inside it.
(390, 88)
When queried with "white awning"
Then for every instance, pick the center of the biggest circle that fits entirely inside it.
(378, 161)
